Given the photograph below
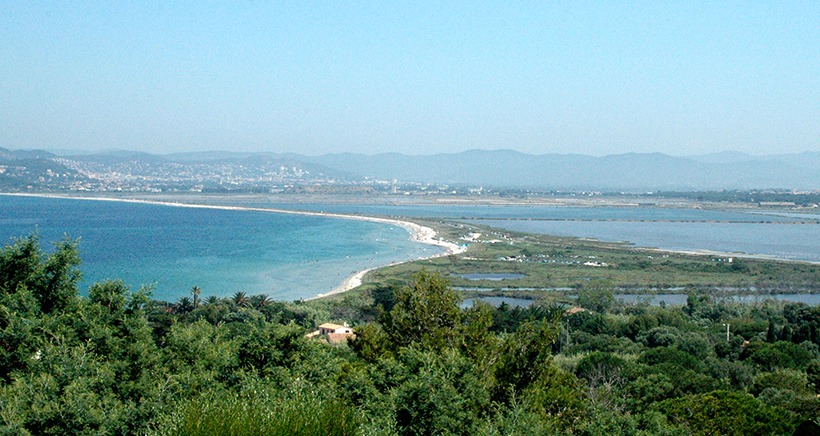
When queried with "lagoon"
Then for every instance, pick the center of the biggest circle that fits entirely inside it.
(777, 234)
(680, 299)
(778, 240)
(497, 301)
(492, 276)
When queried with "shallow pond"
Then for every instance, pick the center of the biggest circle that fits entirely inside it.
(492, 276)
(680, 299)
(496, 301)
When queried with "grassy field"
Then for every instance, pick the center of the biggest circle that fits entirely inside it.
(549, 262)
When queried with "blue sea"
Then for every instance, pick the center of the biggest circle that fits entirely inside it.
(291, 257)
(287, 257)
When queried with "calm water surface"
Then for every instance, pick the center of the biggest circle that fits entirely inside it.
(292, 257)
(496, 301)
(285, 256)
(782, 235)
(657, 299)
(680, 299)
(784, 241)
(492, 276)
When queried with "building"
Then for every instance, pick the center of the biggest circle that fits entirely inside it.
(330, 328)
(334, 333)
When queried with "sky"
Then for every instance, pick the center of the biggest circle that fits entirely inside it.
(597, 78)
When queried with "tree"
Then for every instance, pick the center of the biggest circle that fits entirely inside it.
(813, 374)
(259, 301)
(597, 295)
(240, 299)
(195, 291)
(384, 296)
(722, 412)
(426, 312)
(525, 356)
(52, 278)
(109, 293)
(184, 305)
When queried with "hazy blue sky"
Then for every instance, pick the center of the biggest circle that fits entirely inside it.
(413, 77)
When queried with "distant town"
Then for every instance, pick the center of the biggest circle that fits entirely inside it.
(131, 172)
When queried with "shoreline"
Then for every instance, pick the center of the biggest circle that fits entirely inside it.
(418, 233)
(738, 255)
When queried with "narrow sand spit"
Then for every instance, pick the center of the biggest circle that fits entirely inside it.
(419, 233)
(422, 234)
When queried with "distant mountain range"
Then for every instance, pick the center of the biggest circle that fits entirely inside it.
(632, 171)
(499, 168)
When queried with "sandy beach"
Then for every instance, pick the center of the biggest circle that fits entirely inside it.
(418, 233)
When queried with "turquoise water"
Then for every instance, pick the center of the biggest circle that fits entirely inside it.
(291, 257)
(287, 257)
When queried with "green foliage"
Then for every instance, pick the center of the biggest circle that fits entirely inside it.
(18, 324)
(111, 294)
(384, 296)
(261, 410)
(598, 367)
(662, 336)
(584, 342)
(426, 313)
(265, 347)
(202, 349)
(804, 323)
(781, 379)
(722, 412)
(477, 340)
(556, 397)
(780, 354)
(442, 395)
(670, 357)
(119, 363)
(597, 295)
(813, 374)
(371, 342)
(51, 278)
(650, 389)
(525, 356)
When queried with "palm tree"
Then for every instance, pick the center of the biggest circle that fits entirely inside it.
(240, 299)
(211, 299)
(184, 305)
(259, 301)
(195, 291)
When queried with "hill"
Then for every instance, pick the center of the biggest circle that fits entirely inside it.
(633, 172)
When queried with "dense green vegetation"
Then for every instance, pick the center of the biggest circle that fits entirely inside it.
(117, 362)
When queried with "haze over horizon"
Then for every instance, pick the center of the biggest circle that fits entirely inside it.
(421, 78)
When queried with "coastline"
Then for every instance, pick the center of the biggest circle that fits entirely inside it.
(418, 233)
(738, 255)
